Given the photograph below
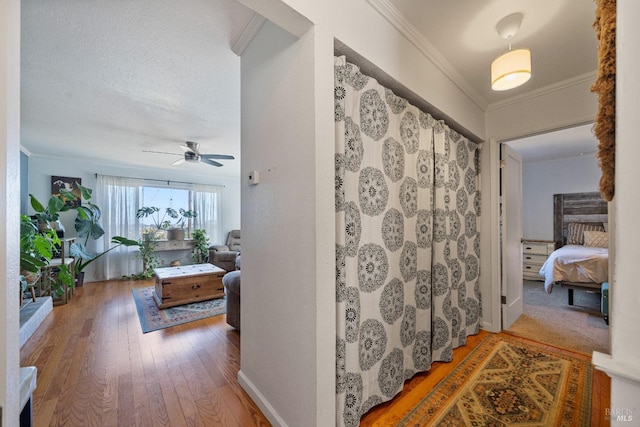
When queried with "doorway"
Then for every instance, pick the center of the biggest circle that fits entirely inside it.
(561, 161)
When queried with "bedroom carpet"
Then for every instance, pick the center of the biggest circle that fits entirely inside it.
(548, 318)
(507, 380)
(152, 318)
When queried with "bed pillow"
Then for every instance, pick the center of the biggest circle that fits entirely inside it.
(598, 239)
(575, 231)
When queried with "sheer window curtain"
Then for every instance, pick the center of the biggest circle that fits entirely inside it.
(207, 204)
(118, 198)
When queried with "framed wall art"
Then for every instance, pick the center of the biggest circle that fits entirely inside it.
(58, 182)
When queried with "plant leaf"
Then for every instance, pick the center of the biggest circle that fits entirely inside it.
(124, 241)
(56, 204)
(35, 204)
(86, 192)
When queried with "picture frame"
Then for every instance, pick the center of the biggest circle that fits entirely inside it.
(58, 182)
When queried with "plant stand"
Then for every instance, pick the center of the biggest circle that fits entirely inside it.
(50, 275)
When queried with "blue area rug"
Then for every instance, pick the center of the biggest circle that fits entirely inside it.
(152, 318)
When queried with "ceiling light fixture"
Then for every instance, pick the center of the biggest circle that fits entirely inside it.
(513, 68)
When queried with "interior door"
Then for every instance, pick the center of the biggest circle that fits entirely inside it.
(511, 232)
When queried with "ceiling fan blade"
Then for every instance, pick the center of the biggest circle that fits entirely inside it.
(218, 156)
(185, 148)
(178, 162)
(210, 162)
(161, 152)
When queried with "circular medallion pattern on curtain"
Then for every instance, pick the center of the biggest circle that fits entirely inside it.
(407, 246)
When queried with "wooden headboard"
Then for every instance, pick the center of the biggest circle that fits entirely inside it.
(576, 207)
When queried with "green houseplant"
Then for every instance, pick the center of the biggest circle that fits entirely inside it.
(147, 254)
(200, 251)
(161, 221)
(86, 224)
(158, 219)
(37, 248)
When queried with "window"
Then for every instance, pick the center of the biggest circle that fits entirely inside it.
(120, 198)
(163, 198)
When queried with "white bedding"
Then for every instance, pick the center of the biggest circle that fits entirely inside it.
(573, 263)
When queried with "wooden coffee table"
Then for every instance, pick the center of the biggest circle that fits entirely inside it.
(187, 283)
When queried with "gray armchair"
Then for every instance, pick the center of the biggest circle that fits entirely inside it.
(224, 256)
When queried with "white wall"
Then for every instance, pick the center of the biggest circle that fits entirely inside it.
(624, 364)
(41, 169)
(288, 336)
(541, 180)
(278, 364)
(9, 212)
(562, 107)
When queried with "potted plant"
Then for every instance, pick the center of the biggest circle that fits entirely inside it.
(36, 251)
(161, 221)
(200, 251)
(88, 227)
(176, 231)
(148, 256)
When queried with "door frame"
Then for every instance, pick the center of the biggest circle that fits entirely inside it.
(491, 247)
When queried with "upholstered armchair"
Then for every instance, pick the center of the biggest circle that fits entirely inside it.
(224, 256)
(231, 282)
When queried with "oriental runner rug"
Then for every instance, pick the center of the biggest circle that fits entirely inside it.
(152, 318)
(510, 381)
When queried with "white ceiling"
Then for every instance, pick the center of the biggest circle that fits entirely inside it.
(561, 144)
(108, 80)
(112, 80)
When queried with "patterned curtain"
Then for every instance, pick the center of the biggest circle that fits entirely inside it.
(407, 247)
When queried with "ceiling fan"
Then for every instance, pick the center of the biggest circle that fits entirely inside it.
(192, 154)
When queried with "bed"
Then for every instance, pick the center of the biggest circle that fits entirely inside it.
(581, 260)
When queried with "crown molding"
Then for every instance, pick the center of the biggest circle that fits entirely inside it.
(415, 37)
(25, 150)
(589, 77)
(247, 35)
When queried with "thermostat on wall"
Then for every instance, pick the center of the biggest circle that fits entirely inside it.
(254, 177)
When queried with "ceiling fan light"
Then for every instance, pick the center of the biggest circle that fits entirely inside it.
(511, 70)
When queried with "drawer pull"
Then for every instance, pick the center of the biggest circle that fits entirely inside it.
(195, 287)
(528, 257)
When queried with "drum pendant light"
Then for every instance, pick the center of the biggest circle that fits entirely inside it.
(513, 68)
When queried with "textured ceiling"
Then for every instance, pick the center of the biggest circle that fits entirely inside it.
(108, 80)
(113, 80)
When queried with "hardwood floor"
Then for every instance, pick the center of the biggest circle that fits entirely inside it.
(97, 368)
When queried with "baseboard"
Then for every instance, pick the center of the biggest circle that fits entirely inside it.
(264, 405)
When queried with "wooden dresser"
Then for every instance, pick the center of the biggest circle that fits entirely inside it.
(534, 254)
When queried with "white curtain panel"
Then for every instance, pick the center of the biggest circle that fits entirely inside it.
(207, 204)
(118, 198)
(406, 246)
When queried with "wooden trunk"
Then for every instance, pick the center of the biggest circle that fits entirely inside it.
(186, 284)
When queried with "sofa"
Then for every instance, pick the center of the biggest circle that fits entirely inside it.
(224, 256)
(231, 282)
